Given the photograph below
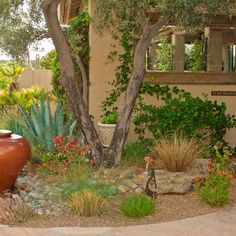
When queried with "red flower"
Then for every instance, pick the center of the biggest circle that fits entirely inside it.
(72, 143)
(96, 141)
(85, 148)
(93, 162)
(58, 140)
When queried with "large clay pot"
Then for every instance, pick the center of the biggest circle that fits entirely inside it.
(14, 152)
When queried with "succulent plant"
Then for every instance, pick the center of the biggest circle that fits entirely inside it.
(40, 126)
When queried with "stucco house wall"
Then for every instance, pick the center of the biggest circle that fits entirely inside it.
(101, 74)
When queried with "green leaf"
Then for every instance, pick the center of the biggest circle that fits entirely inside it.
(28, 119)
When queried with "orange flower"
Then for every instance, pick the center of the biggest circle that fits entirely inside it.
(230, 176)
(149, 159)
(196, 178)
(211, 170)
(220, 174)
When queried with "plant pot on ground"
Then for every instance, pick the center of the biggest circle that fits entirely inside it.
(14, 152)
(107, 126)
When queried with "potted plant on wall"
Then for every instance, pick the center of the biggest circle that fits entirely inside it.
(107, 126)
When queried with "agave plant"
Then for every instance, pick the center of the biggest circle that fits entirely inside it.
(40, 126)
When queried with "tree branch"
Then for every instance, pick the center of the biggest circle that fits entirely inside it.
(69, 78)
(158, 25)
(84, 79)
(46, 3)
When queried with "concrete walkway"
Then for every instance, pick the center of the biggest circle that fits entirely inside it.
(222, 223)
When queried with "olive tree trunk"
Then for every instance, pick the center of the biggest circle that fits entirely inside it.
(68, 78)
(122, 126)
(76, 100)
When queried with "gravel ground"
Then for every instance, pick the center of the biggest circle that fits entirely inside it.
(168, 208)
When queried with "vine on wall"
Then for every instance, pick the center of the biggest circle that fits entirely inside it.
(123, 71)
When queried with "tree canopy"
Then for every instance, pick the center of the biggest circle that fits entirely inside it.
(21, 24)
(186, 14)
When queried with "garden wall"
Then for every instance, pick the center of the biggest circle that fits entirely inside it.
(35, 77)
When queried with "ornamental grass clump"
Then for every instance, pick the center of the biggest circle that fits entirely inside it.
(87, 203)
(176, 152)
(137, 206)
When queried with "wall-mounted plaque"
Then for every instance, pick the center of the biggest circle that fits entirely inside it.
(223, 93)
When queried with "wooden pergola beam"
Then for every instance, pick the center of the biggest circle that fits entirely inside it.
(68, 10)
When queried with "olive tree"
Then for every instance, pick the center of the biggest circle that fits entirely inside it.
(21, 24)
(148, 17)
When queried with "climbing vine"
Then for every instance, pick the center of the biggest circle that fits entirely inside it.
(123, 71)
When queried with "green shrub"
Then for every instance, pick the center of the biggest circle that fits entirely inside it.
(215, 189)
(4, 83)
(194, 59)
(137, 206)
(181, 111)
(165, 55)
(110, 117)
(11, 73)
(24, 97)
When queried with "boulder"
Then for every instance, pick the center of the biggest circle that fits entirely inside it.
(177, 182)
(171, 182)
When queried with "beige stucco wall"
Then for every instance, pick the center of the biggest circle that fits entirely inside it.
(101, 72)
(35, 77)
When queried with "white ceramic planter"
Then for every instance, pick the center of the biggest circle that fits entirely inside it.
(106, 133)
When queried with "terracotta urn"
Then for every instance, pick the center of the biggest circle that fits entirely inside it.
(14, 152)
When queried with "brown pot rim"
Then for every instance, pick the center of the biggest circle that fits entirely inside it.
(5, 133)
